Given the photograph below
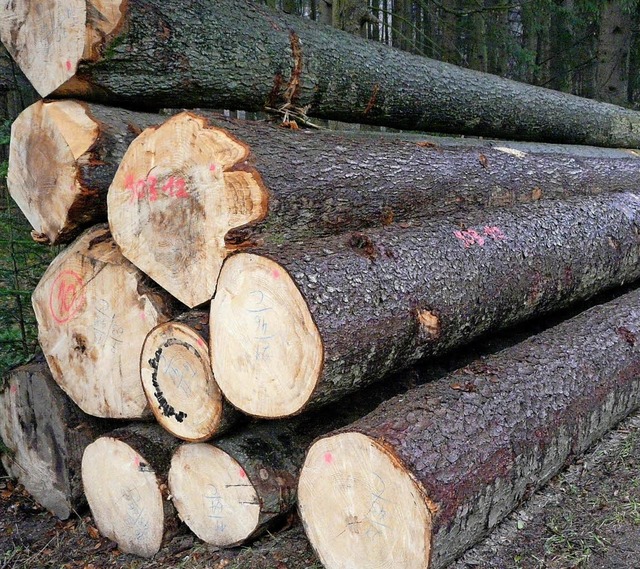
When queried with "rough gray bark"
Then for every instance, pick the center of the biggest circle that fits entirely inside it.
(46, 434)
(614, 43)
(405, 293)
(246, 55)
(527, 410)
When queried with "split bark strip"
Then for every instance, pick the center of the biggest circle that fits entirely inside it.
(198, 187)
(46, 435)
(63, 156)
(419, 480)
(124, 475)
(96, 47)
(175, 369)
(232, 490)
(284, 320)
(94, 310)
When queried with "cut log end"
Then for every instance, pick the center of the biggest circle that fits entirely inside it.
(49, 38)
(123, 493)
(360, 507)
(266, 351)
(46, 141)
(178, 381)
(213, 495)
(178, 190)
(93, 317)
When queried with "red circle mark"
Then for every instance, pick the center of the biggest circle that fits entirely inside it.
(67, 298)
(212, 167)
(243, 474)
(328, 457)
(275, 273)
(68, 65)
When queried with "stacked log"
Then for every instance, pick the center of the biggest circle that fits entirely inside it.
(417, 481)
(249, 270)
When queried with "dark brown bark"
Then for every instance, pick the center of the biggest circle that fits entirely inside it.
(46, 434)
(247, 56)
(479, 441)
(405, 293)
(40, 161)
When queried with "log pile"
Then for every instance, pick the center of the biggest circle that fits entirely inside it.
(250, 271)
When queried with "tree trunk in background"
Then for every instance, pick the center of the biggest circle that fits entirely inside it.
(561, 40)
(614, 39)
(325, 12)
(351, 16)
(447, 23)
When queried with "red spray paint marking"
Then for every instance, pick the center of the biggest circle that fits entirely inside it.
(68, 65)
(149, 187)
(212, 167)
(471, 237)
(275, 273)
(328, 457)
(14, 388)
(67, 297)
(200, 342)
(143, 315)
(136, 461)
(243, 474)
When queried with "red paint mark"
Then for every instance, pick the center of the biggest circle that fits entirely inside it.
(200, 342)
(275, 273)
(67, 298)
(242, 473)
(328, 457)
(68, 65)
(136, 461)
(471, 237)
(14, 388)
(149, 188)
(143, 316)
(212, 167)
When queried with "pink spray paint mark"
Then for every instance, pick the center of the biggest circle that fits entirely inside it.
(328, 457)
(136, 461)
(201, 343)
(243, 474)
(14, 389)
(212, 167)
(143, 315)
(68, 65)
(275, 273)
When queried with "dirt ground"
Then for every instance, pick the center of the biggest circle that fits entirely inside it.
(587, 517)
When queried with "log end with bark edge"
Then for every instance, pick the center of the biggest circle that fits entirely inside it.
(266, 352)
(47, 139)
(179, 188)
(371, 507)
(213, 495)
(178, 381)
(48, 38)
(124, 477)
(94, 310)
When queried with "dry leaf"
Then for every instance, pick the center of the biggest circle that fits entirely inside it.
(93, 532)
(484, 162)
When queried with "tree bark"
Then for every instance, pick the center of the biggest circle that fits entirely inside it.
(614, 42)
(63, 157)
(135, 53)
(175, 369)
(46, 435)
(124, 475)
(284, 320)
(94, 310)
(419, 480)
(236, 184)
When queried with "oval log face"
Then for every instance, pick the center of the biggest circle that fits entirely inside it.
(360, 508)
(93, 316)
(123, 493)
(178, 381)
(173, 199)
(213, 495)
(264, 338)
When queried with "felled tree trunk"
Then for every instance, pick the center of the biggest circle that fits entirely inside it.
(232, 490)
(94, 311)
(175, 369)
(124, 475)
(416, 482)
(46, 435)
(284, 321)
(199, 187)
(241, 54)
(63, 156)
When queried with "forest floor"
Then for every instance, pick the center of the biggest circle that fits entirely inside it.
(587, 517)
